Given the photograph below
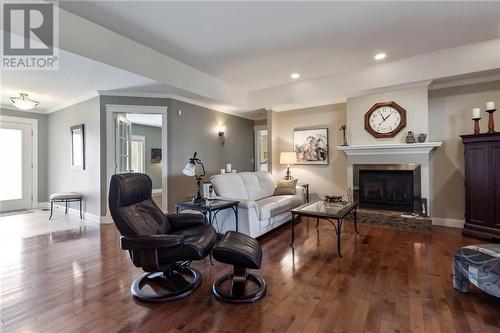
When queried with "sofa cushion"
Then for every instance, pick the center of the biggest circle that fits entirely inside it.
(229, 185)
(252, 185)
(267, 183)
(271, 206)
(286, 187)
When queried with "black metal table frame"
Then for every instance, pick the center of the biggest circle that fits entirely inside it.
(66, 201)
(338, 225)
(208, 210)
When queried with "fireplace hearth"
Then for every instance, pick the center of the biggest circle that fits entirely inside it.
(394, 187)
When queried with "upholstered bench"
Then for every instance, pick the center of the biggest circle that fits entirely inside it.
(65, 197)
(479, 265)
(242, 252)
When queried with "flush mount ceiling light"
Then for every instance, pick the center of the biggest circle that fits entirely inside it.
(295, 76)
(23, 102)
(380, 56)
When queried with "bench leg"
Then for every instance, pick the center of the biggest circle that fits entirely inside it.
(51, 209)
(66, 209)
(81, 216)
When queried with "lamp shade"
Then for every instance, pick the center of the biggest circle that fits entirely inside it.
(288, 157)
(190, 169)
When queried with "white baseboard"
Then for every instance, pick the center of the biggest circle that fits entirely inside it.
(157, 191)
(107, 219)
(446, 222)
(71, 211)
(43, 205)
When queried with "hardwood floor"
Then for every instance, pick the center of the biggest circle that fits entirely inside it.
(388, 280)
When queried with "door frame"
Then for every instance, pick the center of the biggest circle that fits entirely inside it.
(34, 153)
(111, 109)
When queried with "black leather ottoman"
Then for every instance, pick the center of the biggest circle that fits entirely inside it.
(242, 252)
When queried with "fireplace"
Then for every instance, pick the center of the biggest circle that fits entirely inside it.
(394, 187)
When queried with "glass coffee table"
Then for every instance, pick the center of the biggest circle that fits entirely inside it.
(332, 212)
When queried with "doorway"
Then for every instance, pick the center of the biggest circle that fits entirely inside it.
(261, 151)
(18, 151)
(137, 143)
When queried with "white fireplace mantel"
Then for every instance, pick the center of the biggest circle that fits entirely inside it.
(391, 149)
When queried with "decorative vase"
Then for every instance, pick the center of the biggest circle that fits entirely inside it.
(410, 137)
(422, 137)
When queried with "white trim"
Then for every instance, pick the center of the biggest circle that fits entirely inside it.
(111, 109)
(74, 212)
(390, 149)
(446, 222)
(120, 108)
(157, 191)
(34, 152)
(43, 205)
(238, 112)
(106, 219)
(464, 82)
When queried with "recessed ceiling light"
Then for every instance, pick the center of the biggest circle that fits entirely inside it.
(23, 102)
(295, 76)
(380, 56)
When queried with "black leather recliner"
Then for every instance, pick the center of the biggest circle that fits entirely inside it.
(163, 245)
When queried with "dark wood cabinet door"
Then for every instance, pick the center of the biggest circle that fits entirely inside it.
(478, 184)
(496, 176)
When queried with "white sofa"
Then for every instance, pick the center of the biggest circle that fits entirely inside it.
(259, 210)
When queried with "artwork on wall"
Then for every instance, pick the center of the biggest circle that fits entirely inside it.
(155, 155)
(77, 147)
(311, 145)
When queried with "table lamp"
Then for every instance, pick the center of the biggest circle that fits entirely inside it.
(288, 158)
(190, 170)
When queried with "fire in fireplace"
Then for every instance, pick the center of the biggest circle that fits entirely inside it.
(388, 186)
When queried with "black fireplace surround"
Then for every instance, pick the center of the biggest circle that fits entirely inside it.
(393, 187)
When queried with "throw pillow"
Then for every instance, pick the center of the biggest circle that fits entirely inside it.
(286, 187)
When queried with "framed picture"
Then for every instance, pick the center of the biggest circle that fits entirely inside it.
(311, 145)
(155, 155)
(77, 147)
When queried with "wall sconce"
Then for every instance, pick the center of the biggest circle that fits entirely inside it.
(221, 131)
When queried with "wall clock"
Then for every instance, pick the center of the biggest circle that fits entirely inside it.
(385, 119)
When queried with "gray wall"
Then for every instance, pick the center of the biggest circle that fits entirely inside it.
(61, 177)
(194, 130)
(152, 138)
(42, 148)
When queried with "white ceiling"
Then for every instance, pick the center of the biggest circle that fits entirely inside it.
(255, 45)
(77, 79)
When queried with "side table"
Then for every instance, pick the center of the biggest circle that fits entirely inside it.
(211, 208)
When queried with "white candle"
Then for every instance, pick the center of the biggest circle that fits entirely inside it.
(490, 106)
(222, 171)
(228, 167)
(476, 113)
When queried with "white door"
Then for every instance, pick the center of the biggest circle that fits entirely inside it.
(15, 166)
(123, 136)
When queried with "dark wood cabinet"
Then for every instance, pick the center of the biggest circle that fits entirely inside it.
(482, 185)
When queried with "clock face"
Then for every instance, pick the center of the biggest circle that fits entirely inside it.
(385, 119)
